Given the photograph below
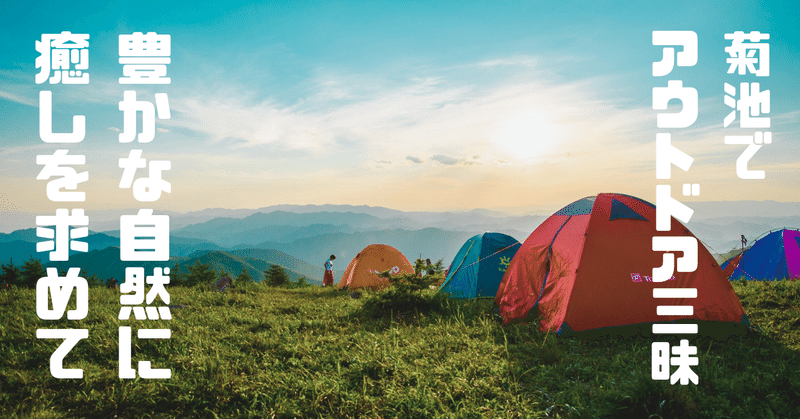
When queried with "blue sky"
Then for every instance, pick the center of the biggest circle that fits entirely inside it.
(413, 105)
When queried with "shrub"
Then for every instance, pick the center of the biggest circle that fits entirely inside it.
(302, 282)
(407, 293)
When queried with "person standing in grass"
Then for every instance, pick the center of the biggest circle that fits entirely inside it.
(328, 279)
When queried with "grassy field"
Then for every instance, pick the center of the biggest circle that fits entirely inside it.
(261, 352)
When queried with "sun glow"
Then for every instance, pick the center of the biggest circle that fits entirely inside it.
(527, 136)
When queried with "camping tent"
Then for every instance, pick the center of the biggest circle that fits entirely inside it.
(588, 266)
(363, 270)
(479, 266)
(773, 257)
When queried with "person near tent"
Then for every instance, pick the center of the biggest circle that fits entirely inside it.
(328, 278)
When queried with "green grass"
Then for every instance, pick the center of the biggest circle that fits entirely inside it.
(261, 352)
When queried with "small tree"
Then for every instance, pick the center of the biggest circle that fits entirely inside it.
(92, 280)
(438, 268)
(244, 277)
(200, 274)
(419, 266)
(276, 276)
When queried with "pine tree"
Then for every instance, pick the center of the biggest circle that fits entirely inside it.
(438, 267)
(176, 278)
(31, 272)
(9, 274)
(276, 276)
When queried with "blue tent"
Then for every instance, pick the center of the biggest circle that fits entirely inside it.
(773, 257)
(479, 266)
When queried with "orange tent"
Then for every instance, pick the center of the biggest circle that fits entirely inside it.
(363, 270)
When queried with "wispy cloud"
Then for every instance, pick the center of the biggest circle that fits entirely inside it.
(19, 87)
(525, 61)
(19, 99)
(465, 161)
(437, 111)
(413, 159)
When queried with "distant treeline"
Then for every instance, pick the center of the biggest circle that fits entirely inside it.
(199, 274)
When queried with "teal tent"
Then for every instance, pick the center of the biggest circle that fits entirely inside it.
(479, 266)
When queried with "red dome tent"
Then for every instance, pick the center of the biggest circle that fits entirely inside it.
(588, 266)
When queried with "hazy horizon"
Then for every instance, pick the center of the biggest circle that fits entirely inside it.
(704, 210)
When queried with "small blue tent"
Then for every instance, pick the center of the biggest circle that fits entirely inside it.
(479, 266)
(773, 257)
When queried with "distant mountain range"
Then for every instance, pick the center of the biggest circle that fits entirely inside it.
(105, 263)
(106, 220)
(428, 243)
(22, 243)
(300, 238)
(723, 233)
